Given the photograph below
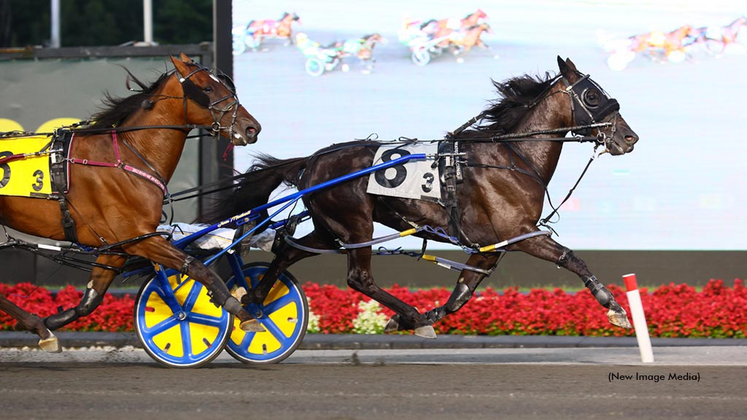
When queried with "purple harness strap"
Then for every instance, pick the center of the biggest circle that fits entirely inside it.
(118, 164)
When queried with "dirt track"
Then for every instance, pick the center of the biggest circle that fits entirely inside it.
(355, 390)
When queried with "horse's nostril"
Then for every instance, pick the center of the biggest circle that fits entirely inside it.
(631, 139)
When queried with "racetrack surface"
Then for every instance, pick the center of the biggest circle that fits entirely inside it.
(381, 384)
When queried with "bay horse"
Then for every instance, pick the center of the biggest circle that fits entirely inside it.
(281, 28)
(501, 195)
(471, 37)
(447, 26)
(119, 167)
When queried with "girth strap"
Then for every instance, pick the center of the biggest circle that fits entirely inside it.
(68, 224)
(451, 175)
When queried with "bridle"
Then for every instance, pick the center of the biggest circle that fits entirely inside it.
(590, 105)
(193, 92)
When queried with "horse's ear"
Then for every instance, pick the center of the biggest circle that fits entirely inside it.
(567, 68)
(185, 58)
(181, 66)
(561, 64)
(570, 64)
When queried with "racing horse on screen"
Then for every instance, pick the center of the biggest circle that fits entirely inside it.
(118, 166)
(499, 197)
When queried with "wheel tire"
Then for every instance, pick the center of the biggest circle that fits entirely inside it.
(421, 56)
(187, 338)
(239, 46)
(285, 321)
(314, 67)
(252, 42)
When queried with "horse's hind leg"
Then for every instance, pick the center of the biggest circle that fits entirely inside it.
(465, 286)
(360, 279)
(547, 249)
(161, 251)
(99, 281)
(47, 340)
(285, 256)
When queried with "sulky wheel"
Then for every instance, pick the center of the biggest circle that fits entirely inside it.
(238, 45)
(284, 314)
(178, 325)
(420, 56)
(252, 42)
(314, 67)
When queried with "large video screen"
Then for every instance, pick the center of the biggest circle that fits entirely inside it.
(676, 67)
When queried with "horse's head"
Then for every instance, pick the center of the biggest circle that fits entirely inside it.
(478, 17)
(290, 17)
(216, 100)
(594, 111)
(371, 39)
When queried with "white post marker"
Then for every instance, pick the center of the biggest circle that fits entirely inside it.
(639, 318)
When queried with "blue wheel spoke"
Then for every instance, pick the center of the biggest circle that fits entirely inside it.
(273, 329)
(203, 319)
(162, 326)
(279, 303)
(168, 298)
(248, 337)
(186, 339)
(191, 299)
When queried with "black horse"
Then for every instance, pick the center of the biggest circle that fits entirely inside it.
(501, 196)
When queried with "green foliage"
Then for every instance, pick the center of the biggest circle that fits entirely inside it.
(104, 22)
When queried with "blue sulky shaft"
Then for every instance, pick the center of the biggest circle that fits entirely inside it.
(348, 177)
(295, 197)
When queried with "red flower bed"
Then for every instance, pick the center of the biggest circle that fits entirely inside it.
(717, 311)
(113, 315)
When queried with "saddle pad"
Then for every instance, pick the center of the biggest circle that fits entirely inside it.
(219, 238)
(415, 179)
(27, 176)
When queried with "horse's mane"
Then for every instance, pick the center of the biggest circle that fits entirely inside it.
(515, 95)
(116, 110)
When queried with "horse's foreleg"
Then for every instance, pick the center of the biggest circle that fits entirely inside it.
(360, 279)
(161, 251)
(100, 280)
(465, 287)
(548, 249)
(30, 322)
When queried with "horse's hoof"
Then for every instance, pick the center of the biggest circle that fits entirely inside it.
(252, 325)
(619, 319)
(426, 331)
(392, 325)
(50, 344)
(238, 293)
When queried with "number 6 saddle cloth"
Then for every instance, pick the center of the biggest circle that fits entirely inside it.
(34, 166)
(415, 179)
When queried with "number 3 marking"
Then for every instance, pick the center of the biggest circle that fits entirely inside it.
(5, 168)
(39, 180)
(428, 186)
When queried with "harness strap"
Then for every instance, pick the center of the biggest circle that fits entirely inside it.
(185, 266)
(451, 174)
(119, 164)
(68, 224)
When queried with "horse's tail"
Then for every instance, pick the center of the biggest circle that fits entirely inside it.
(255, 186)
(280, 170)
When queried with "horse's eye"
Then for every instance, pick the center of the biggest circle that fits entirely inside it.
(207, 89)
(591, 98)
